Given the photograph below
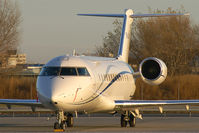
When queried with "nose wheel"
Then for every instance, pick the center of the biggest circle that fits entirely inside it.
(70, 120)
(59, 126)
(126, 118)
(63, 119)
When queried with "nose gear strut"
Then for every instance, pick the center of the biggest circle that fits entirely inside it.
(126, 118)
(63, 119)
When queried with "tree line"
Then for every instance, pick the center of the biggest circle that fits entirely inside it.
(18, 87)
(175, 88)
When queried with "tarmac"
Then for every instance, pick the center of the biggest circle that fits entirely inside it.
(101, 124)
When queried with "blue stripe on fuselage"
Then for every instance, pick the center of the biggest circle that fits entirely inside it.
(112, 81)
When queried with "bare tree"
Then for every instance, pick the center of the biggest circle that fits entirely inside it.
(10, 19)
(172, 39)
(111, 41)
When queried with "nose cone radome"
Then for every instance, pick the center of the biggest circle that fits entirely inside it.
(50, 91)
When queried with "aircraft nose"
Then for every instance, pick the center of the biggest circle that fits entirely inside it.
(50, 93)
(55, 99)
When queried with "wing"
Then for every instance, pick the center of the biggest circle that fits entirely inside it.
(24, 102)
(146, 103)
(122, 105)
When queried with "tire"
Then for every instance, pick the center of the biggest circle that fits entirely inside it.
(70, 120)
(63, 126)
(132, 120)
(123, 122)
(56, 125)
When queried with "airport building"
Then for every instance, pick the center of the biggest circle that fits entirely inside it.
(11, 59)
(13, 63)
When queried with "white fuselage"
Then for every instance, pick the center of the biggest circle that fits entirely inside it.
(109, 79)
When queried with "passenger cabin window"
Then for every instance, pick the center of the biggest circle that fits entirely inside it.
(64, 71)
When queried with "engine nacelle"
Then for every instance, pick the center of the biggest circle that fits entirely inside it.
(153, 70)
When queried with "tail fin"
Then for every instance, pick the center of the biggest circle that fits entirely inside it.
(123, 51)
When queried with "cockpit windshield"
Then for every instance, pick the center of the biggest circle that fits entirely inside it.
(64, 71)
(68, 71)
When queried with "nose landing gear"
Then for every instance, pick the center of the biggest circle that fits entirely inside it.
(126, 118)
(63, 119)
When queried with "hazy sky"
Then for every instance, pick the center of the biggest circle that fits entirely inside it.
(51, 27)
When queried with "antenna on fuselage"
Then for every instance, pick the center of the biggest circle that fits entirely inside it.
(123, 51)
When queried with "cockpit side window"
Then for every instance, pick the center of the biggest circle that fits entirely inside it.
(83, 72)
(50, 71)
(68, 71)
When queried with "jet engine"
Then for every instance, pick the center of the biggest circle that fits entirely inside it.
(153, 70)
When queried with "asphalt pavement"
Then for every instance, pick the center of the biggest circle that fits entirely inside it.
(101, 124)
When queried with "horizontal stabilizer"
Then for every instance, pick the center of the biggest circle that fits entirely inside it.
(103, 15)
(158, 15)
(135, 15)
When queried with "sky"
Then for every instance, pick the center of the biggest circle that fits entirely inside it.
(51, 28)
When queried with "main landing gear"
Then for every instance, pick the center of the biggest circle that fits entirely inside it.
(126, 118)
(63, 119)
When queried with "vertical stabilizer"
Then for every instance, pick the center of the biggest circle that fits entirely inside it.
(123, 52)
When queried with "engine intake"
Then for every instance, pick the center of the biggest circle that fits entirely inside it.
(153, 70)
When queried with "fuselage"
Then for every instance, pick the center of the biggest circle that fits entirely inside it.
(84, 83)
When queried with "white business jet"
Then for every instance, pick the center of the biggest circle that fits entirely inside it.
(85, 84)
